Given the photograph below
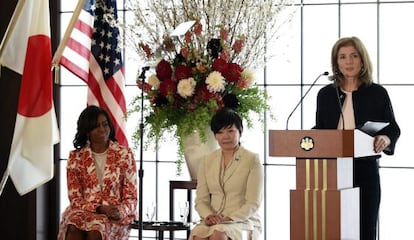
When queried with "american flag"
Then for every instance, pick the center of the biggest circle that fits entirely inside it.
(93, 54)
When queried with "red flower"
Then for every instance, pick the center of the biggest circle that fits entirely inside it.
(202, 94)
(233, 73)
(187, 37)
(146, 49)
(220, 65)
(168, 87)
(163, 70)
(147, 87)
(182, 72)
(198, 28)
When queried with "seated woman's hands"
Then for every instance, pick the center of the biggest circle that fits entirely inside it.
(111, 211)
(214, 219)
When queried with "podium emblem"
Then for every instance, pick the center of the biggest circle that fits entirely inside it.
(306, 143)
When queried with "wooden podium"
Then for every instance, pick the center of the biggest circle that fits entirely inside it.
(324, 205)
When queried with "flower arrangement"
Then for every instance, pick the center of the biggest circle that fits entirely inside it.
(206, 68)
(194, 81)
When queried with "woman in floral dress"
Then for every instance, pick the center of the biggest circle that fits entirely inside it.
(101, 180)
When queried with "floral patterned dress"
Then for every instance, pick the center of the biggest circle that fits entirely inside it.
(86, 194)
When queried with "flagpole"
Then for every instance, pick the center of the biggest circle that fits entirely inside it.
(4, 180)
(69, 29)
(12, 24)
(9, 30)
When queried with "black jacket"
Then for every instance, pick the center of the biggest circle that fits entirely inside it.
(371, 103)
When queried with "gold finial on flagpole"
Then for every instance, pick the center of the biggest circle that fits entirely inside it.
(56, 67)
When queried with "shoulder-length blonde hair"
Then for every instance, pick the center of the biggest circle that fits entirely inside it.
(365, 76)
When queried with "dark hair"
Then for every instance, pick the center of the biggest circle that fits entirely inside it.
(225, 117)
(365, 76)
(88, 120)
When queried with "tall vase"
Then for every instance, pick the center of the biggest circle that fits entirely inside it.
(195, 149)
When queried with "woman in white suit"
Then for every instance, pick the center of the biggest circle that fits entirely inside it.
(229, 185)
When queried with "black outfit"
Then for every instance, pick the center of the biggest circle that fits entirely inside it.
(370, 103)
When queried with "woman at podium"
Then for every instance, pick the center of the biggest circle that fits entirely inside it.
(350, 101)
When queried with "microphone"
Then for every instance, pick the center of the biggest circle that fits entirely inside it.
(144, 70)
(338, 97)
(306, 93)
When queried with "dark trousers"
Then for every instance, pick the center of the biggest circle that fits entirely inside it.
(366, 177)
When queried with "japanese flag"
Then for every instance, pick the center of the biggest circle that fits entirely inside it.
(28, 52)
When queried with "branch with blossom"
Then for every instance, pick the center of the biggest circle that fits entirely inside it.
(251, 24)
(207, 68)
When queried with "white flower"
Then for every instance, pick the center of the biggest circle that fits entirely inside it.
(185, 87)
(215, 82)
(248, 77)
(154, 81)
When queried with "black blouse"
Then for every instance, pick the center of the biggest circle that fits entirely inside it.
(371, 103)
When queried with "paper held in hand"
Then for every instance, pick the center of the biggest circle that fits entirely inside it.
(364, 138)
(371, 128)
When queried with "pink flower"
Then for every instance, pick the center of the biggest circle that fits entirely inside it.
(247, 78)
(168, 43)
(224, 34)
(238, 45)
(147, 87)
(185, 52)
(225, 55)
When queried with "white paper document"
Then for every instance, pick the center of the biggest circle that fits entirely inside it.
(363, 144)
(371, 128)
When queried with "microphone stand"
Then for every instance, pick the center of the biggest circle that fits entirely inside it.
(141, 154)
(303, 97)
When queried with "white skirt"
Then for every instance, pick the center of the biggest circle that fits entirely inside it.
(234, 231)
